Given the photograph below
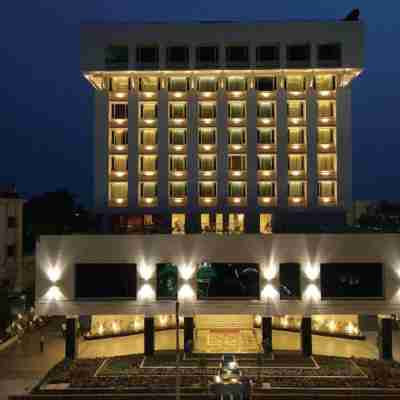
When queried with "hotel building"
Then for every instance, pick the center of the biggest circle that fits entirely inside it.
(215, 137)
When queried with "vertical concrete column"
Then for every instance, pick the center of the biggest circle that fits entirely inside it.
(344, 147)
(163, 147)
(252, 222)
(306, 337)
(148, 336)
(188, 329)
(133, 139)
(71, 340)
(267, 334)
(282, 146)
(386, 339)
(222, 146)
(100, 150)
(311, 132)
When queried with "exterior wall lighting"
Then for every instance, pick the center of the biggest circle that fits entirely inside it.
(54, 273)
(54, 294)
(186, 293)
(186, 271)
(146, 293)
(149, 148)
(269, 293)
(120, 147)
(146, 271)
(120, 174)
(312, 272)
(312, 293)
(266, 120)
(120, 200)
(236, 200)
(207, 147)
(120, 95)
(324, 93)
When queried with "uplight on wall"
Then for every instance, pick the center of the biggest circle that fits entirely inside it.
(54, 294)
(186, 293)
(146, 293)
(54, 273)
(312, 272)
(146, 271)
(186, 271)
(270, 272)
(312, 293)
(269, 293)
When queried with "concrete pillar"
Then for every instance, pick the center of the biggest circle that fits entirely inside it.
(148, 336)
(306, 338)
(71, 340)
(267, 334)
(188, 329)
(386, 339)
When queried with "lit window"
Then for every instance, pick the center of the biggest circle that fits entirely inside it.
(118, 192)
(236, 109)
(326, 109)
(148, 163)
(147, 55)
(205, 223)
(265, 109)
(266, 189)
(119, 84)
(208, 189)
(207, 55)
(295, 83)
(236, 84)
(326, 135)
(296, 109)
(148, 189)
(265, 223)
(237, 136)
(177, 163)
(326, 163)
(207, 136)
(219, 223)
(265, 135)
(177, 55)
(177, 110)
(325, 82)
(178, 222)
(237, 162)
(178, 84)
(147, 219)
(177, 190)
(296, 136)
(119, 110)
(177, 136)
(236, 223)
(296, 189)
(119, 137)
(207, 84)
(147, 110)
(207, 163)
(237, 189)
(147, 137)
(266, 162)
(297, 162)
(149, 84)
(326, 189)
(207, 110)
(119, 163)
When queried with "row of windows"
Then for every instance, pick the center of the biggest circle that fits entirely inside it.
(117, 56)
(295, 83)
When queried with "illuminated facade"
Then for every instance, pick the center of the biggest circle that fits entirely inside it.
(247, 135)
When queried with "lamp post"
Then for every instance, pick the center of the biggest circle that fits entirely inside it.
(178, 394)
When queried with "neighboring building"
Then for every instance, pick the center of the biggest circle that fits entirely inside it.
(381, 214)
(11, 250)
(222, 126)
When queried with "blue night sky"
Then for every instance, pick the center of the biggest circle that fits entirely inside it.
(46, 105)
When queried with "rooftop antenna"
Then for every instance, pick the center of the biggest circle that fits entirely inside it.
(354, 15)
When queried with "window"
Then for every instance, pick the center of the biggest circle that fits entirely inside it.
(326, 162)
(265, 223)
(296, 189)
(296, 136)
(119, 110)
(237, 162)
(207, 55)
(117, 57)
(207, 84)
(295, 83)
(147, 137)
(237, 189)
(147, 55)
(11, 250)
(177, 110)
(326, 135)
(177, 136)
(207, 110)
(236, 84)
(205, 223)
(297, 162)
(289, 278)
(119, 137)
(177, 163)
(12, 222)
(148, 189)
(149, 84)
(266, 189)
(236, 109)
(266, 84)
(207, 163)
(178, 222)
(266, 162)
(118, 191)
(119, 163)
(237, 136)
(178, 55)
(267, 54)
(147, 219)
(265, 109)
(148, 163)
(298, 52)
(331, 53)
(236, 223)
(119, 84)
(326, 189)
(177, 189)
(178, 84)
(265, 136)
(296, 109)
(237, 55)
(219, 223)
(148, 110)
(325, 82)
(207, 136)
(167, 281)
(207, 189)
(326, 109)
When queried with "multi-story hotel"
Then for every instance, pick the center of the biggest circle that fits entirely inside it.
(208, 130)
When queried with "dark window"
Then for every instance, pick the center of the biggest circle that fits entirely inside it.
(220, 280)
(105, 281)
(167, 281)
(351, 280)
(12, 222)
(298, 52)
(267, 54)
(119, 111)
(266, 84)
(147, 55)
(237, 55)
(330, 52)
(289, 276)
(178, 55)
(207, 55)
(116, 57)
(11, 250)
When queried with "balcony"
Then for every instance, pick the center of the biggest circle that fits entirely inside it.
(118, 122)
(326, 94)
(296, 94)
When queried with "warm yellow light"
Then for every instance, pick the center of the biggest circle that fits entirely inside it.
(266, 120)
(54, 274)
(101, 330)
(120, 121)
(120, 200)
(115, 327)
(207, 120)
(324, 93)
(146, 293)
(163, 320)
(269, 293)
(178, 173)
(295, 93)
(149, 147)
(237, 146)
(120, 174)
(179, 121)
(207, 200)
(266, 94)
(120, 147)
(295, 120)
(325, 173)
(148, 200)
(332, 326)
(207, 147)
(148, 95)
(149, 173)
(120, 95)
(295, 146)
(178, 200)
(325, 120)
(236, 120)
(186, 271)
(237, 173)
(266, 146)
(178, 147)
(258, 319)
(207, 94)
(54, 293)
(178, 95)
(297, 199)
(186, 293)
(267, 199)
(149, 121)
(207, 173)
(326, 199)
(325, 146)
(236, 94)
(266, 173)
(236, 200)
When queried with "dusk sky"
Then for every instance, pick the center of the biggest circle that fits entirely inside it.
(46, 105)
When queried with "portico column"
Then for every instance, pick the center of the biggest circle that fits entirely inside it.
(306, 337)
(71, 340)
(386, 339)
(267, 334)
(148, 336)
